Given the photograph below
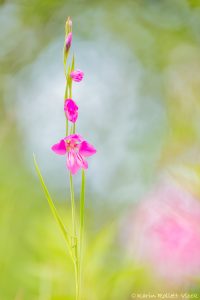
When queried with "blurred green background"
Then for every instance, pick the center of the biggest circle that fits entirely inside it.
(139, 105)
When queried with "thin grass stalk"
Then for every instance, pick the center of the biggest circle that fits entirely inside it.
(81, 234)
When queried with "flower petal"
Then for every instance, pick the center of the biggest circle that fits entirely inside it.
(81, 161)
(70, 105)
(77, 75)
(59, 148)
(68, 41)
(72, 164)
(75, 137)
(86, 149)
(71, 110)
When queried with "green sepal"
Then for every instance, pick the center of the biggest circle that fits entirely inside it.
(73, 63)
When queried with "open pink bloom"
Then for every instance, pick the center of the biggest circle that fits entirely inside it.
(71, 110)
(77, 75)
(68, 41)
(77, 149)
(164, 233)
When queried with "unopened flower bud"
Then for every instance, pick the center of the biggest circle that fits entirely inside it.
(71, 110)
(77, 75)
(68, 41)
(68, 25)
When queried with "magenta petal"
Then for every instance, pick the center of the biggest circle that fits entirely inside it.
(86, 149)
(81, 161)
(59, 148)
(77, 75)
(72, 164)
(70, 105)
(71, 110)
(75, 137)
(73, 117)
(68, 41)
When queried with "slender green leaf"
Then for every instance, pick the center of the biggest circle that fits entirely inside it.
(52, 206)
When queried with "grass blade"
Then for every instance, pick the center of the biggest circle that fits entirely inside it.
(52, 206)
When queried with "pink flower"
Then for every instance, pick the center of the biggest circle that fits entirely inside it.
(71, 110)
(76, 149)
(77, 75)
(68, 41)
(163, 232)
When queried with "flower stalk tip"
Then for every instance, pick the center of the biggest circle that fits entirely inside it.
(68, 25)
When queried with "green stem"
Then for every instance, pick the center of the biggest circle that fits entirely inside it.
(74, 238)
(70, 90)
(81, 237)
(65, 56)
(72, 204)
(67, 127)
(65, 97)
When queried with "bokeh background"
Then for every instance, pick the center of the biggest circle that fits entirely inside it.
(140, 106)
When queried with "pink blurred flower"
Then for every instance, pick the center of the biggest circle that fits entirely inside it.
(77, 149)
(77, 75)
(164, 232)
(68, 41)
(71, 110)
